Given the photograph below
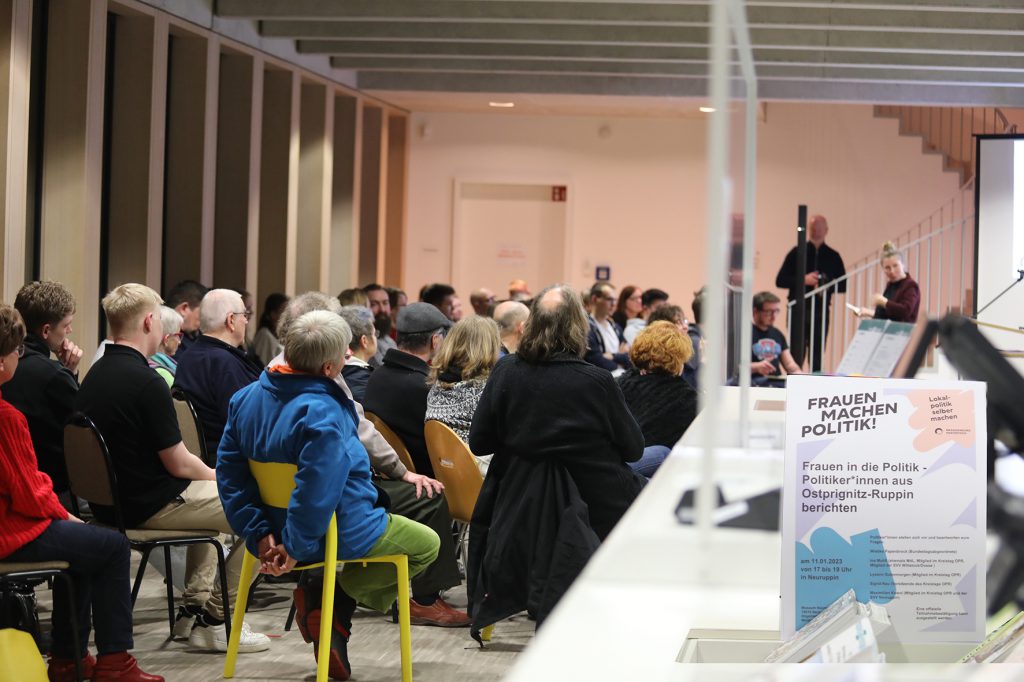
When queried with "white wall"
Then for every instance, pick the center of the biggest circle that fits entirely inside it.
(638, 195)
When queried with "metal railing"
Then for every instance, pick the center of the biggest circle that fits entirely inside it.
(949, 131)
(938, 252)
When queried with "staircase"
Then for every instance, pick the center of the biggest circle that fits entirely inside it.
(949, 131)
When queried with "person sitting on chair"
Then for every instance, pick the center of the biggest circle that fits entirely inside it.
(38, 529)
(297, 414)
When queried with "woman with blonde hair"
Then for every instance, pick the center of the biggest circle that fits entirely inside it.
(163, 360)
(902, 297)
(459, 374)
(662, 402)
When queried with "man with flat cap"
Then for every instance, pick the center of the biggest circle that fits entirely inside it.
(397, 390)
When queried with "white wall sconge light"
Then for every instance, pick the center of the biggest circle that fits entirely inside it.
(501, 105)
(707, 110)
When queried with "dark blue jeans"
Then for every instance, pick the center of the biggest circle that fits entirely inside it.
(99, 568)
(649, 462)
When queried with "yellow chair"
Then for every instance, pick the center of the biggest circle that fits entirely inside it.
(276, 482)
(455, 467)
(393, 440)
(22, 661)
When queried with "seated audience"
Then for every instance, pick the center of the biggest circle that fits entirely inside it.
(650, 300)
(185, 297)
(380, 307)
(398, 299)
(606, 347)
(770, 352)
(459, 373)
(397, 390)
(412, 495)
(441, 296)
(519, 290)
(357, 368)
(265, 344)
(545, 402)
(456, 309)
(482, 301)
(661, 401)
(902, 296)
(558, 483)
(163, 360)
(44, 388)
(38, 529)
(628, 306)
(511, 318)
(296, 414)
(354, 297)
(160, 483)
(216, 367)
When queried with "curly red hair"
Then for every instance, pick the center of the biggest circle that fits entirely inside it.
(661, 347)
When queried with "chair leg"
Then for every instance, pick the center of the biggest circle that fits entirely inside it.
(326, 622)
(222, 571)
(138, 576)
(75, 646)
(404, 628)
(169, 579)
(248, 563)
(291, 611)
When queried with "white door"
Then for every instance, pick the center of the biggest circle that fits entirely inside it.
(506, 231)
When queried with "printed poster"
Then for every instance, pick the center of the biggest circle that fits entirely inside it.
(884, 493)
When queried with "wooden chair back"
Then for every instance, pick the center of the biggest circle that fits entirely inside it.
(455, 467)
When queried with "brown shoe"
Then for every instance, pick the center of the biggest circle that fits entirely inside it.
(440, 614)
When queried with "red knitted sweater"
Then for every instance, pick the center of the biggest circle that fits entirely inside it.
(27, 501)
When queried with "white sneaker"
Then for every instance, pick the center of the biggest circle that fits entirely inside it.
(184, 621)
(213, 637)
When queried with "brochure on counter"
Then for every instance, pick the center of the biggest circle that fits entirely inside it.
(884, 494)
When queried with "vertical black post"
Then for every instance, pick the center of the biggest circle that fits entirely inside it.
(796, 327)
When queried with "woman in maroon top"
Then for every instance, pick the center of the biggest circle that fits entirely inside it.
(902, 297)
(37, 528)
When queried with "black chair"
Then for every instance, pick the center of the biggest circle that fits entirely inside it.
(91, 476)
(13, 573)
(190, 426)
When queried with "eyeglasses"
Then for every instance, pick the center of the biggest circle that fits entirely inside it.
(770, 311)
(176, 335)
(246, 313)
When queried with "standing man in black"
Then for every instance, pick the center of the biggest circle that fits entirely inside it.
(824, 265)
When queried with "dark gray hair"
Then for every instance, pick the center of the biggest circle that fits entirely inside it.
(551, 329)
(360, 320)
(302, 304)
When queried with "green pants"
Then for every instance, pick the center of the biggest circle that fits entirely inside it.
(376, 585)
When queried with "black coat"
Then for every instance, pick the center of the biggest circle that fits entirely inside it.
(663, 405)
(529, 539)
(357, 377)
(568, 411)
(397, 393)
(44, 391)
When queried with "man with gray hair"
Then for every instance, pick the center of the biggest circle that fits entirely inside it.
(405, 489)
(216, 366)
(362, 349)
(297, 415)
(511, 318)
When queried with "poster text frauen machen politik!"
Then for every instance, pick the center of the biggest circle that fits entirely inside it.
(884, 493)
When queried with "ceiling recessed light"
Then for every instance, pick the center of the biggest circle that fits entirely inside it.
(707, 110)
(502, 105)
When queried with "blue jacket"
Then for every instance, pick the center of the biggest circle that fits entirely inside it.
(307, 421)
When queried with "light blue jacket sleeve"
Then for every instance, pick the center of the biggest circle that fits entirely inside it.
(323, 468)
(239, 494)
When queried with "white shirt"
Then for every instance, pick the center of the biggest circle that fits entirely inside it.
(609, 336)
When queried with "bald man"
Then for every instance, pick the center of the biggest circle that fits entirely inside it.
(824, 265)
(216, 366)
(482, 299)
(511, 318)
